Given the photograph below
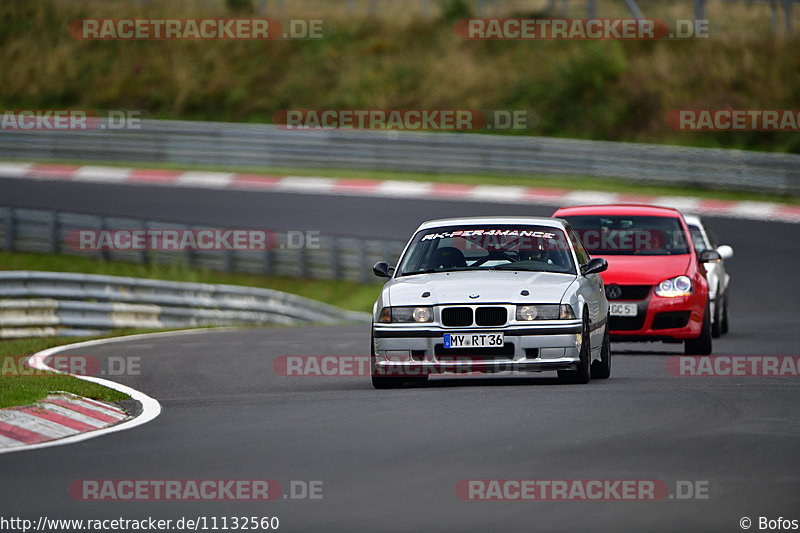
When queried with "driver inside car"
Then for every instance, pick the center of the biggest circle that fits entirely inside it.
(535, 254)
(448, 257)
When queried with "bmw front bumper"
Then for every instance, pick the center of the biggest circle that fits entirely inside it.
(414, 350)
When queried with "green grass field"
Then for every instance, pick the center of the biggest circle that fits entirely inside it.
(17, 387)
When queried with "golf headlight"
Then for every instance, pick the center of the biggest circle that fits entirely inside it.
(406, 314)
(527, 313)
(680, 286)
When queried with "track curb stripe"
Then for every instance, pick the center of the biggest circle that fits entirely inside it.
(109, 408)
(393, 189)
(21, 435)
(45, 414)
(92, 413)
(26, 420)
(74, 416)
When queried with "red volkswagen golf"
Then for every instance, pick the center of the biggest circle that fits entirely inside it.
(655, 282)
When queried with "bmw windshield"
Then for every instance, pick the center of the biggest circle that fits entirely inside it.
(491, 247)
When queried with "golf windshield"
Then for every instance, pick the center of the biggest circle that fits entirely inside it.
(492, 247)
(630, 235)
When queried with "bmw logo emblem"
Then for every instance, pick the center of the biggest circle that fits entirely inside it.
(474, 295)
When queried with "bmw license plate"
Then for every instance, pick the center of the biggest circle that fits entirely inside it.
(624, 309)
(473, 340)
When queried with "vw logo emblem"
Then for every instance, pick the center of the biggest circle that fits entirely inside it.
(613, 292)
(474, 295)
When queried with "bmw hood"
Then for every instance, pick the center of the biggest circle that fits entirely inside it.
(478, 287)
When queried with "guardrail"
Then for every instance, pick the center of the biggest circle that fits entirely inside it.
(35, 304)
(253, 145)
(331, 257)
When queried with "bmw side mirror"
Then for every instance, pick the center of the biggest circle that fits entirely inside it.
(725, 251)
(709, 256)
(594, 266)
(382, 269)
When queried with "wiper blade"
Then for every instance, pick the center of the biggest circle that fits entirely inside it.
(513, 267)
(435, 270)
(426, 271)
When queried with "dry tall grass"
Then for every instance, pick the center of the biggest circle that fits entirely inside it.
(599, 90)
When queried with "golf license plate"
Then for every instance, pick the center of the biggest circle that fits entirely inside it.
(624, 310)
(473, 340)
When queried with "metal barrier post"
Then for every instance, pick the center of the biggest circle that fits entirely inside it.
(591, 9)
(699, 10)
(52, 233)
(10, 228)
(336, 264)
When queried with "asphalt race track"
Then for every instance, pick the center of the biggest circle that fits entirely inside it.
(390, 460)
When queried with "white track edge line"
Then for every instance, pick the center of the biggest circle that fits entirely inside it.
(150, 406)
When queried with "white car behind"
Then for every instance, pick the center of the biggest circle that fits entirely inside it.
(718, 277)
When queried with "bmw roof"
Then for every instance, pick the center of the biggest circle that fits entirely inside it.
(479, 221)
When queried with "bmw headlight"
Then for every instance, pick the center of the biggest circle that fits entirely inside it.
(679, 286)
(528, 313)
(406, 314)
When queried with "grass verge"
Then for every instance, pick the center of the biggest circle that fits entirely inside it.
(23, 386)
